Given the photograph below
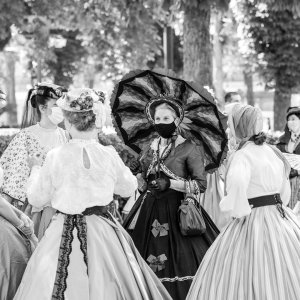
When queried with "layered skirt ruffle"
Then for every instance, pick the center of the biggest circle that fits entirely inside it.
(256, 257)
(91, 259)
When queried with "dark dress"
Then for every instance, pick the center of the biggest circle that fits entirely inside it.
(294, 178)
(173, 257)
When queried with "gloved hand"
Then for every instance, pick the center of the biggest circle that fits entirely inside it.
(293, 173)
(161, 184)
(135, 167)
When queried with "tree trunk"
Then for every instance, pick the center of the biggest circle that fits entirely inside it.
(282, 99)
(218, 60)
(197, 50)
(248, 79)
(168, 40)
(10, 89)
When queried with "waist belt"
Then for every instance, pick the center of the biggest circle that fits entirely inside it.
(95, 210)
(268, 200)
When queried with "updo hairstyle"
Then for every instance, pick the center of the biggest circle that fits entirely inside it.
(82, 121)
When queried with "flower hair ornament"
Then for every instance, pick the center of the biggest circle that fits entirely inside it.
(82, 100)
(46, 89)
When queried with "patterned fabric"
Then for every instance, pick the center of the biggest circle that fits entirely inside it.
(15, 166)
(71, 221)
(202, 121)
(30, 141)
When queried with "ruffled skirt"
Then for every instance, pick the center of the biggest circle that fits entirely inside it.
(256, 257)
(88, 258)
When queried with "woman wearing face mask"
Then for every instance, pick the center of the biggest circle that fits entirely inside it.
(289, 142)
(153, 221)
(34, 140)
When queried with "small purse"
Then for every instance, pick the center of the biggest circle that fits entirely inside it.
(191, 221)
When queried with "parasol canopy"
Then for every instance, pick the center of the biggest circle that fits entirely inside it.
(202, 122)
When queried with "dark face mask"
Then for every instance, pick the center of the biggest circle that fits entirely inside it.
(165, 130)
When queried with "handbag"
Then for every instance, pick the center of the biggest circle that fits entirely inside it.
(191, 221)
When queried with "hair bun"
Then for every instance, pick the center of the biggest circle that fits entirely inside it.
(260, 138)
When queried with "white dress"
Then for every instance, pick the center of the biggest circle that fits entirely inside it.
(256, 257)
(85, 257)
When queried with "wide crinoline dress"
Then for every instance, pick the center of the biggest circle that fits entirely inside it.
(153, 222)
(85, 256)
(257, 255)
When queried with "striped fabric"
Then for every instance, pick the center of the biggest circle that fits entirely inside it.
(256, 257)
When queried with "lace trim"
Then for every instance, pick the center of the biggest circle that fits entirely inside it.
(176, 279)
(71, 221)
(60, 283)
(82, 237)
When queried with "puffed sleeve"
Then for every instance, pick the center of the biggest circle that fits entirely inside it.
(39, 187)
(15, 167)
(126, 183)
(196, 168)
(235, 203)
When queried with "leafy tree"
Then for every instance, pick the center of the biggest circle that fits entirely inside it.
(272, 30)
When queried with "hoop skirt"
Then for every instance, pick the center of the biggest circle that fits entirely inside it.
(111, 268)
(256, 256)
(173, 257)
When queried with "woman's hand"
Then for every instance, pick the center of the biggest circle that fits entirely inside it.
(35, 160)
(135, 167)
(26, 225)
(161, 184)
(26, 220)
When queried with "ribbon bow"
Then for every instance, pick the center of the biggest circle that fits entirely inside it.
(157, 263)
(161, 229)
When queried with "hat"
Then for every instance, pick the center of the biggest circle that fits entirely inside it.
(154, 102)
(292, 111)
(46, 89)
(80, 100)
(83, 100)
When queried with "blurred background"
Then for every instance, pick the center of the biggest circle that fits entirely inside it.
(247, 46)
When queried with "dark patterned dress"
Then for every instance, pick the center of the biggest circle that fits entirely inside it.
(154, 225)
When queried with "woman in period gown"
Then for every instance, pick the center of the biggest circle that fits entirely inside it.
(85, 253)
(153, 221)
(37, 139)
(256, 257)
(17, 243)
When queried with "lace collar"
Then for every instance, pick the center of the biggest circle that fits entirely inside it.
(83, 141)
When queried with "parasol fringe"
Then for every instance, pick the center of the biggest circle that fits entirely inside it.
(211, 167)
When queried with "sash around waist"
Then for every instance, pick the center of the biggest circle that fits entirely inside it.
(265, 200)
(94, 210)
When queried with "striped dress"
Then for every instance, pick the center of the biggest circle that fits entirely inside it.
(257, 255)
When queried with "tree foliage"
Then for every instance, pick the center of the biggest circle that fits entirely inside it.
(271, 31)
